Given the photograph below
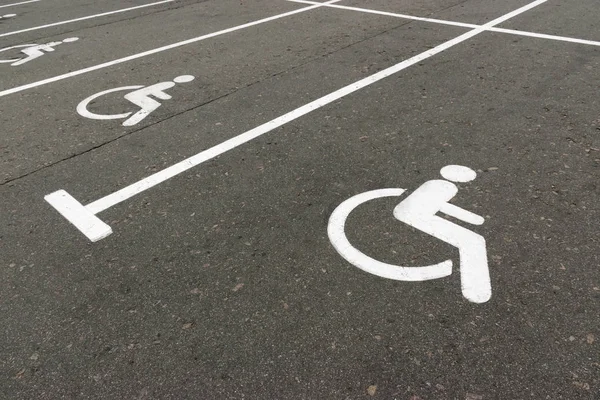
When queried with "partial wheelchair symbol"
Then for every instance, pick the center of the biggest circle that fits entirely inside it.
(33, 51)
(139, 95)
(419, 210)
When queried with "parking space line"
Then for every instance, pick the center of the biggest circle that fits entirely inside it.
(545, 36)
(391, 14)
(17, 4)
(167, 173)
(160, 49)
(35, 28)
(460, 24)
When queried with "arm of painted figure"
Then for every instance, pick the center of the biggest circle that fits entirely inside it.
(461, 214)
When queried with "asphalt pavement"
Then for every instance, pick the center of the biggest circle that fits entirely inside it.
(248, 199)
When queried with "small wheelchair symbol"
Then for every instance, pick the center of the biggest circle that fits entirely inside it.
(33, 51)
(139, 95)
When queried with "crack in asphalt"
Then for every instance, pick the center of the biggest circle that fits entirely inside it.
(274, 75)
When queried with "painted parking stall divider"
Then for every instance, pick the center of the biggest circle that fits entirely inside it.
(88, 17)
(160, 49)
(84, 220)
(19, 3)
(455, 23)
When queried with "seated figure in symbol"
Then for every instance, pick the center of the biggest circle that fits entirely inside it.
(147, 104)
(419, 210)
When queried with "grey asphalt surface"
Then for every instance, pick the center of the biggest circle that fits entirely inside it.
(221, 283)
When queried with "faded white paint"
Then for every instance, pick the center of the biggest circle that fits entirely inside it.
(8, 16)
(140, 96)
(13, 60)
(33, 51)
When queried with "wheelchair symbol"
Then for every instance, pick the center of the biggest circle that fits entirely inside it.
(139, 95)
(419, 210)
(33, 51)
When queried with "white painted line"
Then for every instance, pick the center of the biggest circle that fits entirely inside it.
(35, 28)
(90, 225)
(161, 176)
(17, 4)
(391, 14)
(544, 36)
(159, 49)
(460, 24)
(167, 173)
(34, 51)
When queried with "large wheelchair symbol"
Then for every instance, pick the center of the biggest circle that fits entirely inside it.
(419, 210)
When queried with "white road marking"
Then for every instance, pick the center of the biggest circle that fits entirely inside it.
(143, 98)
(35, 28)
(8, 16)
(458, 173)
(337, 235)
(90, 225)
(420, 210)
(460, 24)
(158, 50)
(461, 214)
(391, 14)
(82, 107)
(33, 51)
(139, 95)
(167, 173)
(12, 60)
(17, 4)
(544, 36)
